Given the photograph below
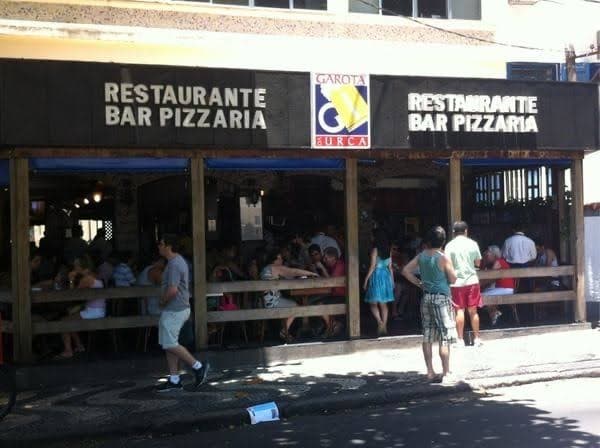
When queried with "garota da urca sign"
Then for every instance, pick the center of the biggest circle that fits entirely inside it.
(340, 110)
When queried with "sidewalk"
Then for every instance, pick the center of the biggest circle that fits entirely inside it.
(298, 387)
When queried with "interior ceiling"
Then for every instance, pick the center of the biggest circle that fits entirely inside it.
(56, 188)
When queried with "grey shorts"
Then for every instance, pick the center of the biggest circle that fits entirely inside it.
(437, 317)
(169, 326)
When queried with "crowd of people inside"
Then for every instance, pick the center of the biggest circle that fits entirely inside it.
(388, 294)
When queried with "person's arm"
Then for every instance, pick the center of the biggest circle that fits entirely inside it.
(448, 268)
(371, 268)
(505, 251)
(391, 267)
(155, 275)
(170, 291)
(285, 271)
(550, 257)
(408, 272)
(236, 270)
(477, 261)
(86, 282)
(321, 270)
(532, 252)
(486, 283)
(130, 276)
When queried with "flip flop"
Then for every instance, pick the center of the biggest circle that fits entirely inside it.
(61, 357)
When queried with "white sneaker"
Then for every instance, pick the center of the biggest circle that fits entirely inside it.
(460, 343)
(450, 379)
(477, 342)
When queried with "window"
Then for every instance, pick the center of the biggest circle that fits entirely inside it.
(435, 9)
(524, 184)
(488, 189)
(282, 4)
(532, 71)
(528, 184)
(90, 228)
(36, 232)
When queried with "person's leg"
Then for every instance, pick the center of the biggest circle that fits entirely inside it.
(444, 351)
(78, 344)
(288, 323)
(172, 362)
(460, 325)
(68, 337)
(474, 317)
(67, 346)
(427, 355)
(401, 307)
(383, 312)
(169, 327)
(375, 312)
(181, 353)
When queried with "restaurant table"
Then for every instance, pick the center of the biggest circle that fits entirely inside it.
(304, 296)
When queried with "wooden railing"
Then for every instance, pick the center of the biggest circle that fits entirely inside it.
(529, 297)
(78, 295)
(117, 322)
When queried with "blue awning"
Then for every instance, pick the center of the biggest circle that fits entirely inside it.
(263, 164)
(142, 164)
(95, 165)
(511, 163)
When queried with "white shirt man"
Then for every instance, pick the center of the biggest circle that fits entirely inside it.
(519, 250)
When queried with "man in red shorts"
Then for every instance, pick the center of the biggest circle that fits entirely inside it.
(466, 258)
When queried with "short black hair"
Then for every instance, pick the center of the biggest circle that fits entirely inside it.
(314, 248)
(436, 237)
(331, 252)
(460, 227)
(171, 239)
(272, 255)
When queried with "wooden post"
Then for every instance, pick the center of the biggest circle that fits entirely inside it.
(199, 257)
(455, 193)
(19, 230)
(578, 238)
(352, 280)
(562, 212)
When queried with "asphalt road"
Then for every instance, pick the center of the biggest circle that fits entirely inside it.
(556, 414)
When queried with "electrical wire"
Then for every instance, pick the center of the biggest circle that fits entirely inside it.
(457, 33)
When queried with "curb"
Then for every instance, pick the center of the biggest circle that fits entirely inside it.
(313, 406)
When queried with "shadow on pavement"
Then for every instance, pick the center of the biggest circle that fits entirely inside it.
(332, 410)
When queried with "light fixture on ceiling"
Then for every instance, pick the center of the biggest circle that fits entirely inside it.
(76, 205)
(97, 195)
(86, 201)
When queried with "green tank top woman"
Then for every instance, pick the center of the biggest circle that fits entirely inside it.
(433, 278)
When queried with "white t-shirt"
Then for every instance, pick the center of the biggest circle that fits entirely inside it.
(519, 249)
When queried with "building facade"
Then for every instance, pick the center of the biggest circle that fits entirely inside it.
(349, 82)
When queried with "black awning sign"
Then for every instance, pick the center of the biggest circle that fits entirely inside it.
(430, 112)
(147, 105)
